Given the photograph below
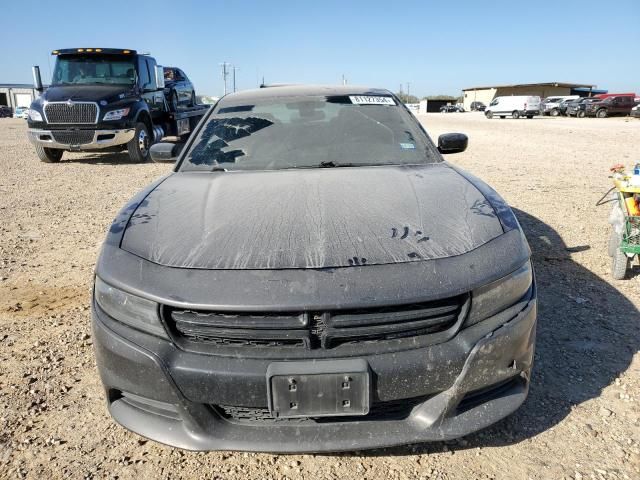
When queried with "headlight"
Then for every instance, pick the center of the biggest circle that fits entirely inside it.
(34, 115)
(116, 114)
(499, 295)
(132, 310)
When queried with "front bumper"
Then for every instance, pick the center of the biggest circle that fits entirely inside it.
(95, 140)
(473, 380)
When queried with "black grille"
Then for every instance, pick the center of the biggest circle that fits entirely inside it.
(390, 410)
(73, 137)
(315, 330)
(74, 112)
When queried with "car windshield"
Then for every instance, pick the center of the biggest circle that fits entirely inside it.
(308, 132)
(94, 69)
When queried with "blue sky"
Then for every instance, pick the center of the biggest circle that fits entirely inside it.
(438, 47)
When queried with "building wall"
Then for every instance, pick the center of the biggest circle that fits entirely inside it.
(539, 91)
(484, 95)
(11, 95)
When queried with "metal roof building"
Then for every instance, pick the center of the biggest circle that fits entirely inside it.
(488, 93)
(17, 94)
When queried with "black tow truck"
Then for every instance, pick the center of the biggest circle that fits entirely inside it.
(105, 99)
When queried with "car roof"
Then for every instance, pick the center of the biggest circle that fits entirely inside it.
(301, 91)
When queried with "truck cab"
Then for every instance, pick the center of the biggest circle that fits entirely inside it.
(104, 99)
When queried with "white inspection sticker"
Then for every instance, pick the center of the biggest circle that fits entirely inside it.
(371, 100)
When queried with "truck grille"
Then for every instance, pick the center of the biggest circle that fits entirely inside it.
(73, 137)
(71, 112)
(313, 330)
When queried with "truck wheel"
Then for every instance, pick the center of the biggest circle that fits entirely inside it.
(554, 112)
(174, 101)
(581, 114)
(515, 114)
(489, 115)
(602, 113)
(49, 155)
(138, 146)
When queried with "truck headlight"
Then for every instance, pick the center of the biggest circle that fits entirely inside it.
(137, 312)
(499, 295)
(35, 115)
(116, 114)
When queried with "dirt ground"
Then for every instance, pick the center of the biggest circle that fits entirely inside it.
(581, 420)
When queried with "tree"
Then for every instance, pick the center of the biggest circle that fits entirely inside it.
(404, 98)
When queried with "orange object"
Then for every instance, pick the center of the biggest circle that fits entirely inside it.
(632, 206)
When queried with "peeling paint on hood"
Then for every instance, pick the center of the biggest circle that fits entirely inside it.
(312, 218)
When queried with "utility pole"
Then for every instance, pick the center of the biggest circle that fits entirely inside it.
(233, 68)
(408, 91)
(344, 80)
(225, 73)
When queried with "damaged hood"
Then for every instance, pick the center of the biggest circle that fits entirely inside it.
(312, 218)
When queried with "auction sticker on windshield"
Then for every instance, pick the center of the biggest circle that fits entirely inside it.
(370, 100)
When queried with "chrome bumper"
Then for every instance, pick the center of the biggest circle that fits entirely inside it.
(100, 139)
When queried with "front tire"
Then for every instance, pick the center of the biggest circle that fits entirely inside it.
(138, 146)
(49, 155)
(602, 113)
(554, 112)
(581, 114)
(515, 114)
(489, 115)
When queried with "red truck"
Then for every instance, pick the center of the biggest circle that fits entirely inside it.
(611, 104)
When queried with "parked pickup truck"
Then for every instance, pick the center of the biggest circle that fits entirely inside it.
(620, 105)
(104, 99)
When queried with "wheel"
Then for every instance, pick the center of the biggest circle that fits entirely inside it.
(49, 155)
(138, 146)
(581, 114)
(619, 264)
(503, 116)
(529, 116)
(174, 101)
(193, 99)
(489, 115)
(515, 114)
(614, 242)
(602, 113)
(554, 112)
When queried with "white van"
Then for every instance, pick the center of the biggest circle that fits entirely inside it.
(515, 106)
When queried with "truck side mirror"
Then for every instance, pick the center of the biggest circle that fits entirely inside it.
(164, 152)
(160, 76)
(37, 79)
(452, 142)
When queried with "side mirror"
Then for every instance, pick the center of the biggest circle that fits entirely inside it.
(164, 152)
(452, 143)
(160, 76)
(37, 79)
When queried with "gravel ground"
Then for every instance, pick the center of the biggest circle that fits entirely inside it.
(582, 418)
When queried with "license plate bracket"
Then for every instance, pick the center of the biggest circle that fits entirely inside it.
(324, 388)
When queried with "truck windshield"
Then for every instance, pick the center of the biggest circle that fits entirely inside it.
(94, 69)
(308, 132)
